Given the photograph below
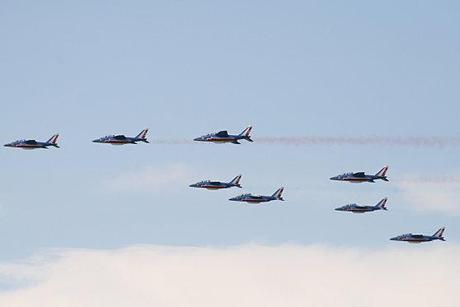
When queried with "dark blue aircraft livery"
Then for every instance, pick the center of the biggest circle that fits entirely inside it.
(257, 199)
(33, 144)
(362, 177)
(217, 185)
(411, 238)
(223, 137)
(355, 208)
(120, 139)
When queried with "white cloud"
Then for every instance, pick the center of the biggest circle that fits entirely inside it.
(435, 196)
(150, 178)
(249, 276)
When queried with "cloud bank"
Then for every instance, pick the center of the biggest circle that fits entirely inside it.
(246, 276)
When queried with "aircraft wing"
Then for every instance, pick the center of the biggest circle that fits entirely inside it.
(359, 174)
(31, 142)
(119, 137)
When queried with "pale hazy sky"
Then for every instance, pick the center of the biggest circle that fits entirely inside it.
(85, 69)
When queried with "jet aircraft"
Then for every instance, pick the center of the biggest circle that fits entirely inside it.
(362, 177)
(256, 199)
(362, 209)
(224, 137)
(120, 139)
(411, 238)
(217, 185)
(33, 144)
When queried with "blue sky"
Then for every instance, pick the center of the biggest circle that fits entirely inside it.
(183, 69)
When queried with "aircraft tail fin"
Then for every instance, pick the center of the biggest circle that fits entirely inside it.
(438, 234)
(382, 204)
(278, 194)
(53, 141)
(142, 136)
(246, 134)
(236, 181)
(383, 173)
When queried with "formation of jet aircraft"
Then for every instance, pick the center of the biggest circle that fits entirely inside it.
(121, 139)
(411, 238)
(224, 137)
(355, 208)
(362, 177)
(217, 185)
(257, 199)
(381, 205)
(33, 144)
(235, 182)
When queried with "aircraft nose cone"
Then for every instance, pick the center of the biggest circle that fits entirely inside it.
(96, 141)
(333, 178)
(197, 139)
(233, 199)
(394, 239)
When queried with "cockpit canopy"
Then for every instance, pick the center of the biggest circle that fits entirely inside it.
(344, 175)
(222, 133)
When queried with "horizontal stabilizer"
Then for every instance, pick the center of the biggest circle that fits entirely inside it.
(382, 172)
(236, 181)
(439, 233)
(382, 204)
(143, 135)
(278, 194)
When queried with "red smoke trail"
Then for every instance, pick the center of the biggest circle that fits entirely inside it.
(411, 141)
(172, 141)
(428, 179)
